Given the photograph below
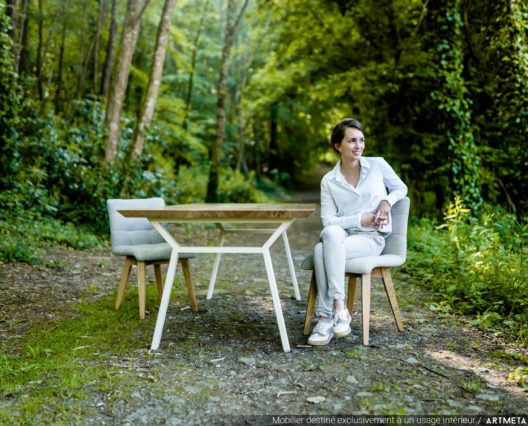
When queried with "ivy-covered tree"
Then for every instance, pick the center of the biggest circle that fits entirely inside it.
(10, 103)
(454, 105)
(497, 61)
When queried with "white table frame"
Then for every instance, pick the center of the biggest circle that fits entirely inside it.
(225, 231)
(279, 230)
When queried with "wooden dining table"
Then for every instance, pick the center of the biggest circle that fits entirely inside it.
(272, 219)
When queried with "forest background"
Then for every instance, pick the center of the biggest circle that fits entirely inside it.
(234, 100)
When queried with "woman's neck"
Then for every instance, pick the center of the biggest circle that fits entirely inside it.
(350, 166)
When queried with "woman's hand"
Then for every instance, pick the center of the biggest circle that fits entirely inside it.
(381, 218)
(367, 219)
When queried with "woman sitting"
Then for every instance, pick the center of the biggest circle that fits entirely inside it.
(355, 210)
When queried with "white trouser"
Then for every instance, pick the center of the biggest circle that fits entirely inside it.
(336, 247)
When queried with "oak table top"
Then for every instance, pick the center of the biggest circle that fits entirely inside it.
(260, 211)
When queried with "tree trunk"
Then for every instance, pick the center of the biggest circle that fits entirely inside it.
(188, 95)
(231, 23)
(455, 106)
(110, 52)
(240, 119)
(39, 50)
(91, 49)
(256, 151)
(156, 71)
(49, 41)
(22, 52)
(58, 92)
(12, 12)
(273, 153)
(120, 79)
(100, 23)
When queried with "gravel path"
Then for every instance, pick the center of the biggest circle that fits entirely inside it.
(226, 360)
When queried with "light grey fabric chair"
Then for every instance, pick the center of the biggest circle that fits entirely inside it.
(394, 254)
(142, 245)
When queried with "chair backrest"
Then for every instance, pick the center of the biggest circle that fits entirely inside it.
(396, 242)
(130, 230)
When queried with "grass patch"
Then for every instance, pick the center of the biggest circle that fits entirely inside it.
(471, 385)
(380, 387)
(512, 356)
(79, 357)
(357, 353)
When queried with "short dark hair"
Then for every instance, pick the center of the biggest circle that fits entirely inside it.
(339, 131)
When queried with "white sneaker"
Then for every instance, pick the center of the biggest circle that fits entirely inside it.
(342, 323)
(322, 333)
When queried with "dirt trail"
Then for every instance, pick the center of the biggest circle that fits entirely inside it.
(227, 359)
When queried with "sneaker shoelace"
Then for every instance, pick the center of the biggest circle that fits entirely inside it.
(320, 328)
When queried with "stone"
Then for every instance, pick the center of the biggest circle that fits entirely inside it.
(316, 399)
(487, 397)
(352, 380)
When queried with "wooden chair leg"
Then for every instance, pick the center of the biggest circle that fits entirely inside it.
(391, 294)
(351, 292)
(310, 305)
(125, 274)
(141, 288)
(188, 281)
(159, 282)
(365, 306)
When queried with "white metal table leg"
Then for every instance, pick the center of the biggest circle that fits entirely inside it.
(290, 265)
(276, 301)
(212, 281)
(169, 280)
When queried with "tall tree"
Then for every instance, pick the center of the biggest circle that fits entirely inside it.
(232, 21)
(92, 53)
(12, 12)
(454, 105)
(194, 56)
(110, 51)
(119, 85)
(58, 91)
(156, 71)
(100, 23)
(39, 50)
(505, 124)
(10, 99)
(21, 51)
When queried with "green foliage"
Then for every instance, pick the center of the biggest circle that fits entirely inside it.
(23, 235)
(520, 376)
(477, 266)
(60, 173)
(236, 188)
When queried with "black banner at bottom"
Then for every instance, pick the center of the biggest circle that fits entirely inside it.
(425, 420)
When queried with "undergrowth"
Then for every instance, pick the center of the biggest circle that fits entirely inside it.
(476, 266)
(23, 236)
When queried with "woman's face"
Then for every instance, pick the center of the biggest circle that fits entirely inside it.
(352, 145)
